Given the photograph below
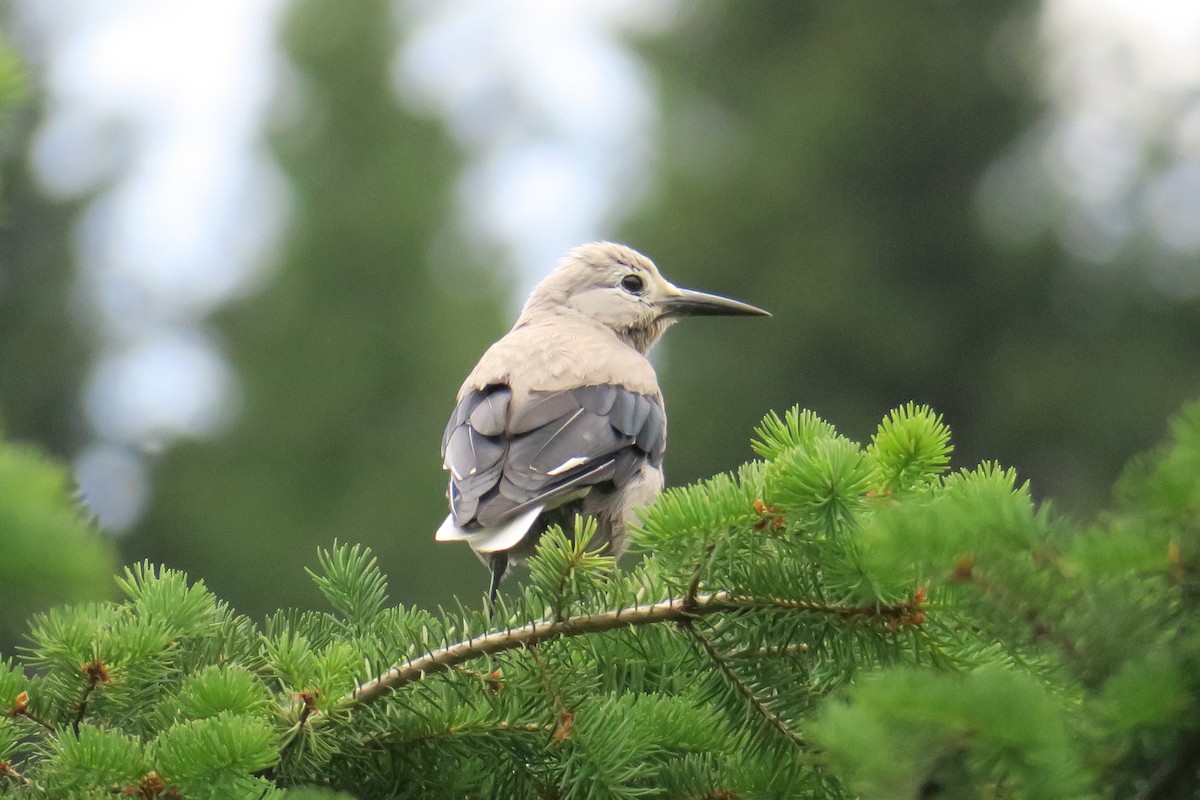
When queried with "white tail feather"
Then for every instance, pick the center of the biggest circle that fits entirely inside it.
(490, 540)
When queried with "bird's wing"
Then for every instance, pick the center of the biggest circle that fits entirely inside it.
(506, 460)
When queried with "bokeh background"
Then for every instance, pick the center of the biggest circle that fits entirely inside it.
(249, 248)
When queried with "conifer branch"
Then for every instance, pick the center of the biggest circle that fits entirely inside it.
(671, 610)
(566, 715)
(7, 770)
(760, 706)
(1039, 626)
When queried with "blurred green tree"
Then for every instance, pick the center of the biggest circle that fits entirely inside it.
(12, 85)
(349, 359)
(51, 554)
(43, 352)
(823, 160)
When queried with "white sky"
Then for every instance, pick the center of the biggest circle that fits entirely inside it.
(1118, 155)
(550, 165)
(164, 102)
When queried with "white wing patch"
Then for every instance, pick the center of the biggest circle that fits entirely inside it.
(569, 464)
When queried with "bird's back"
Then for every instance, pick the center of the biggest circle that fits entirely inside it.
(556, 351)
(559, 417)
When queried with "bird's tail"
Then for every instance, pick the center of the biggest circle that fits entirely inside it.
(490, 540)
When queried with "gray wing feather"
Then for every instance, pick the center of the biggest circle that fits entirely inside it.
(463, 507)
(583, 436)
(542, 410)
(593, 474)
(627, 464)
(491, 415)
(496, 397)
(652, 437)
(597, 399)
(641, 412)
(501, 459)
(495, 510)
(468, 453)
(623, 411)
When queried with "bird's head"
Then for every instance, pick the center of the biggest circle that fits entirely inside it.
(620, 288)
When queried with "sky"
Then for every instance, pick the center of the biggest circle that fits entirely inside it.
(164, 103)
(1117, 155)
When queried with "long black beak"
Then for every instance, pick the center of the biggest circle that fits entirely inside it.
(690, 303)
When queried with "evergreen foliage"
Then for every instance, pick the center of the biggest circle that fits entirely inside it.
(51, 554)
(42, 348)
(834, 620)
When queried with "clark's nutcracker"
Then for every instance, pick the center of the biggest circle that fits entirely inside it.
(563, 415)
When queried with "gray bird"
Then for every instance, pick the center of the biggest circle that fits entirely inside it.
(563, 415)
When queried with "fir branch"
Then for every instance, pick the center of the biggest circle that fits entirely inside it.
(566, 715)
(674, 610)
(7, 770)
(1039, 626)
(760, 706)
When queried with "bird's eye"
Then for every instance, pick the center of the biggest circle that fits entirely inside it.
(633, 284)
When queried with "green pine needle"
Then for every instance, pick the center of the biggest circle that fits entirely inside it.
(910, 449)
(828, 622)
(351, 581)
(796, 429)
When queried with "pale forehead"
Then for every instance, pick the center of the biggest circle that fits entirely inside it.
(608, 254)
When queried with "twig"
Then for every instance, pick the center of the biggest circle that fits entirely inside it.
(7, 770)
(53, 731)
(773, 650)
(21, 709)
(560, 595)
(566, 714)
(702, 563)
(671, 610)
(462, 730)
(308, 699)
(759, 705)
(97, 673)
(81, 707)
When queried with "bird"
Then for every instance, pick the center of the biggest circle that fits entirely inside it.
(563, 415)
